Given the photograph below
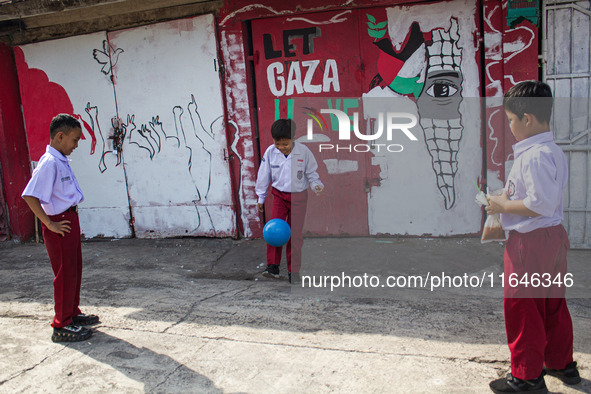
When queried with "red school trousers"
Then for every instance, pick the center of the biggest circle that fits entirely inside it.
(537, 320)
(284, 204)
(65, 255)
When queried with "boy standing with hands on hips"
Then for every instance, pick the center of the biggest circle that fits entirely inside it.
(290, 167)
(537, 320)
(53, 194)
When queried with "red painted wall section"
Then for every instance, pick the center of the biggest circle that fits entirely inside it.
(14, 155)
(239, 90)
(520, 57)
(46, 98)
(511, 56)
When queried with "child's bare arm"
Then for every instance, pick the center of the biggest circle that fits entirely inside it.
(60, 228)
(502, 204)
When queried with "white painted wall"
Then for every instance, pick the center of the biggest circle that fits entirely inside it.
(167, 71)
(165, 86)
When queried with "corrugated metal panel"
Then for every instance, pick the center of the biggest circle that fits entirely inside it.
(567, 69)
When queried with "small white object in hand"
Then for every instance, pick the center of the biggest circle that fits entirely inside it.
(481, 199)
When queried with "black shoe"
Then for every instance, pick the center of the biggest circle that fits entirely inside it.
(71, 333)
(272, 271)
(295, 278)
(511, 384)
(85, 320)
(568, 375)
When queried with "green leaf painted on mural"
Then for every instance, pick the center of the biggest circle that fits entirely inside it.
(381, 25)
(381, 33)
(372, 25)
(376, 33)
(371, 18)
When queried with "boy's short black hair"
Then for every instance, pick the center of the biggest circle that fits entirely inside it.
(530, 97)
(63, 123)
(283, 129)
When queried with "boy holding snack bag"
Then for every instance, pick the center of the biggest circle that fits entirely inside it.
(537, 320)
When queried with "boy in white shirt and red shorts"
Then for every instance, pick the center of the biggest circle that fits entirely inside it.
(53, 195)
(290, 167)
(537, 320)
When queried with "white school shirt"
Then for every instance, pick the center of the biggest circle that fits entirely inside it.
(53, 183)
(538, 177)
(291, 174)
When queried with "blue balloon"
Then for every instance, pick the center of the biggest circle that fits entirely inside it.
(276, 232)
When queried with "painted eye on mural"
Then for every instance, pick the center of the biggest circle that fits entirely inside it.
(442, 88)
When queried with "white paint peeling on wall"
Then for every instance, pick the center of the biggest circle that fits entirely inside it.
(492, 138)
(336, 166)
(238, 108)
(250, 8)
(493, 179)
(335, 19)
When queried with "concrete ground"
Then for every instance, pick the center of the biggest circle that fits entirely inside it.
(195, 315)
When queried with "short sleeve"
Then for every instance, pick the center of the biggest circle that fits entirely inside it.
(41, 184)
(263, 177)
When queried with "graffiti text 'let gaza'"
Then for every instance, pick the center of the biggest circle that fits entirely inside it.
(296, 76)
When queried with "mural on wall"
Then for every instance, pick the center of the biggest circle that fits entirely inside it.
(158, 151)
(418, 61)
(60, 77)
(426, 65)
(397, 177)
(301, 70)
(180, 138)
(428, 68)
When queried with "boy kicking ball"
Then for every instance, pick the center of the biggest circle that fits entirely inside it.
(290, 167)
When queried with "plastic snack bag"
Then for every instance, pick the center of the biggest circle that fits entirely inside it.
(493, 229)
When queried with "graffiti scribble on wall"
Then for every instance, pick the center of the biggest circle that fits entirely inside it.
(117, 139)
(192, 137)
(107, 58)
(428, 68)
